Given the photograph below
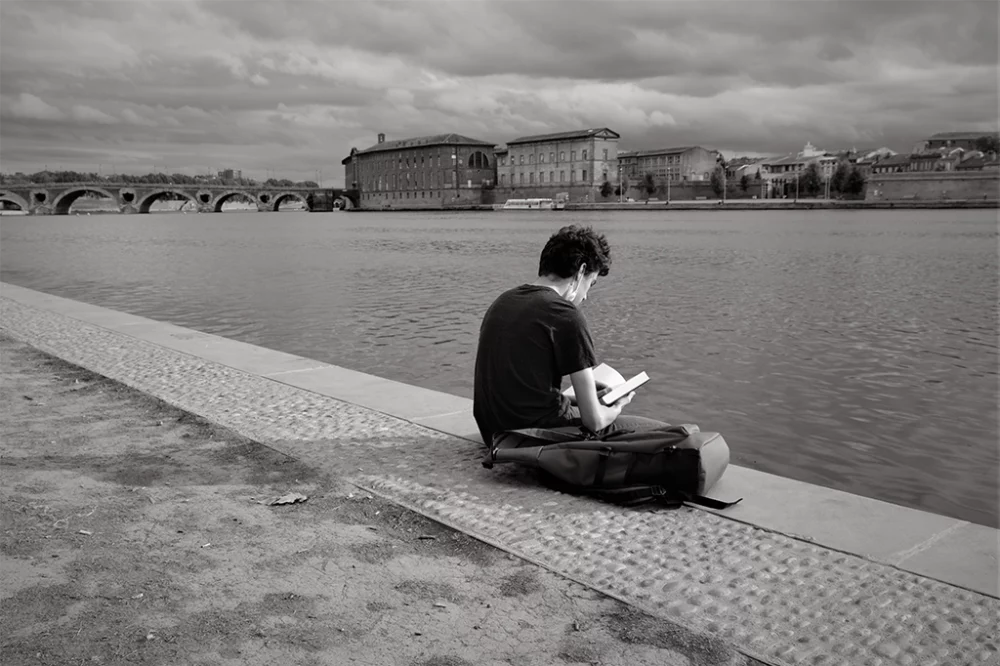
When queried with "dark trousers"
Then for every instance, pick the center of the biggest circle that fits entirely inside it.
(623, 422)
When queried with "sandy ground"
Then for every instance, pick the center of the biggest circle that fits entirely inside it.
(134, 533)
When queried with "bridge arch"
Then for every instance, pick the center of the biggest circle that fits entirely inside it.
(278, 199)
(230, 194)
(343, 203)
(64, 201)
(15, 199)
(149, 199)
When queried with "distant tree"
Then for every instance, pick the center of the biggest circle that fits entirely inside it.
(839, 178)
(988, 143)
(622, 188)
(745, 182)
(715, 181)
(810, 183)
(854, 185)
(606, 189)
(649, 184)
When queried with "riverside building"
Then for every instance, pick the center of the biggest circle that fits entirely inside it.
(422, 172)
(570, 165)
(677, 165)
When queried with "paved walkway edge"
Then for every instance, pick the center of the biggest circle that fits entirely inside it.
(946, 549)
(787, 599)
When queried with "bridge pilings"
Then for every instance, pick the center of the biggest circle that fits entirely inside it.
(131, 199)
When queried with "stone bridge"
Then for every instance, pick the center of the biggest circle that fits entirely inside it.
(56, 198)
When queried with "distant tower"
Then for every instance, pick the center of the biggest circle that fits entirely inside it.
(381, 137)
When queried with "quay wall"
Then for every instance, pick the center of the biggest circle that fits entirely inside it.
(927, 583)
(934, 185)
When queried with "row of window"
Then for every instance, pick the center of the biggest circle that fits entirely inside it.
(541, 177)
(552, 157)
(404, 181)
(477, 160)
(651, 161)
(392, 195)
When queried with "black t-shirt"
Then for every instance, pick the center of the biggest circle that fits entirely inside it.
(529, 340)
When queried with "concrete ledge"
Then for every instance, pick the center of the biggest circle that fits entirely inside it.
(938, 547)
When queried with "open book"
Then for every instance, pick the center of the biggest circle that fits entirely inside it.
(613, 383)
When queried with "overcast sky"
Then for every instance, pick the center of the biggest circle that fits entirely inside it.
(291, 86)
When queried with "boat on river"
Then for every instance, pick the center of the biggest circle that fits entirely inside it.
(533, 204)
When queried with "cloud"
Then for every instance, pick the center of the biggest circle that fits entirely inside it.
(34, 108)
(88, 114)
(133, 118)
(272, 86)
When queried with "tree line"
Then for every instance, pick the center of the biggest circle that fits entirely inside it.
(157, 178)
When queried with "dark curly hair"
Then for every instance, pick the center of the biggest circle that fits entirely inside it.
(571, 247)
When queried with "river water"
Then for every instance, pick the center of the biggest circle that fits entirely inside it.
(852, 349)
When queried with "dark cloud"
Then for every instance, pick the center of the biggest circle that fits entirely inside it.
(171, 82)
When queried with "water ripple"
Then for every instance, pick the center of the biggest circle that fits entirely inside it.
(856, 350)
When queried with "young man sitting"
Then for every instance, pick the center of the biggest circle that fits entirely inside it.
(534, 335)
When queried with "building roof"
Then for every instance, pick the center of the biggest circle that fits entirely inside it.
(789, 159)
(894, 160)
(563, 136)
(741, 162)
(929, 155)
(656, 152)
(953, 136)
(421, 141)
(974, 162)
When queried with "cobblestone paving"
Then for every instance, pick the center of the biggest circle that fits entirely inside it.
(779, 599)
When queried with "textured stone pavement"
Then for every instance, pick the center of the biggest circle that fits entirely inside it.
(777, 598)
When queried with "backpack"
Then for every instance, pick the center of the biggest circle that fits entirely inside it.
(669, 465)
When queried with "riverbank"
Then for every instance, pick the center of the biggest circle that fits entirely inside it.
(793, 573)
(717, 205)
(785, 204)
(134, 532)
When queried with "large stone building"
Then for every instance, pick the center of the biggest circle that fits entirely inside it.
(677, 165)
(575, 164)
(780, 175)
(423, 172)
(950, 140)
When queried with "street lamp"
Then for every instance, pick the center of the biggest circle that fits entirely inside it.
(620, 185)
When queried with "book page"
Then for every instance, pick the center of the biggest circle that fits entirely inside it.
(622, 390)
(603, 374)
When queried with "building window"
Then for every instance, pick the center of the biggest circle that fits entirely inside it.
(584, 176)
(531, 178)
(522, 179)
(503, 179)
(572, 175)
(562, 155)
(552, 157)
(541, 158)
(541, 176)
(520, 159)
(585, 156)
(572, 156)
(552, 176)
(503, 161)
(562, 176)
(605, 153)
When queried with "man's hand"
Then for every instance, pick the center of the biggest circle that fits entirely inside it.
(622, 401)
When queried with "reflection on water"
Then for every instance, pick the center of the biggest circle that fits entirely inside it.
(857, 350)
